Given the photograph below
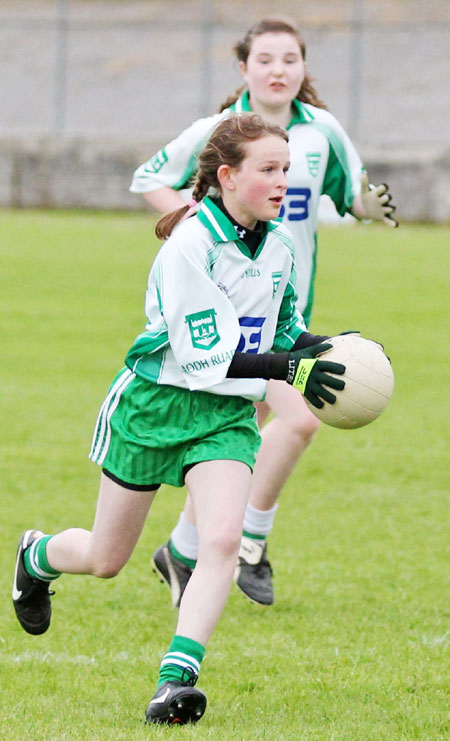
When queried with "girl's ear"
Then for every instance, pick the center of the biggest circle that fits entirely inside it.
(225, 177)
(243, 70)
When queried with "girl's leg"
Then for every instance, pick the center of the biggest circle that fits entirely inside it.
(219, 492)
(283, 440)
(119, 519)
(42, 558)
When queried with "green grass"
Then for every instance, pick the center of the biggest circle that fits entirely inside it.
(356, 646)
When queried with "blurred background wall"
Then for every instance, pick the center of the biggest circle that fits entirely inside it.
(91, 88)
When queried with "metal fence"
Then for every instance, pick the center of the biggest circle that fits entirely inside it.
(154, 66)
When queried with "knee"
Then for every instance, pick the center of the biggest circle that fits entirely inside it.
(106, 568)
(224, 542)
(303, 426)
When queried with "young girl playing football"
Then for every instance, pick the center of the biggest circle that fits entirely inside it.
(221, 318)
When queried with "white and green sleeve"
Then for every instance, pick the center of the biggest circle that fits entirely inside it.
(201, 329)
(175, 164)
(342, 180)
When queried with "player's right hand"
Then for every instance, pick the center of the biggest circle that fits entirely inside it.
(310, 375)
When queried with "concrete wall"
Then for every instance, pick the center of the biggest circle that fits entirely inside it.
(66, 172)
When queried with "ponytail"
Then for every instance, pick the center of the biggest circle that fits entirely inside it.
(166, 224)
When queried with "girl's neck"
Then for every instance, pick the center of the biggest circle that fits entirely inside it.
(278, 116)
(234, 210)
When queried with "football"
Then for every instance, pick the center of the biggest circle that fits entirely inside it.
(369, 382)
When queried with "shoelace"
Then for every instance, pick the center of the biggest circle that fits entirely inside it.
(191, 678)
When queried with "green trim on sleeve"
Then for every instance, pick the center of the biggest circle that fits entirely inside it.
(188, 175)
(288, 327)
(337, 182)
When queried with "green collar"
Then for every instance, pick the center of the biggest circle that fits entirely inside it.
(223, 230)
(300, 112)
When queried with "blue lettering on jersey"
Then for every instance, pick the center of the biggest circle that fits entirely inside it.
(297, 208)
(251, 333)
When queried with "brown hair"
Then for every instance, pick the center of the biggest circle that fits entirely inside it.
(226, 146)
(307, 92)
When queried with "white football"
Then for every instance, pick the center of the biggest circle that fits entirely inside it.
(369, 382)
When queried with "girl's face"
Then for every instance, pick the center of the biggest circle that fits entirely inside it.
(275, 69)
(255, 190)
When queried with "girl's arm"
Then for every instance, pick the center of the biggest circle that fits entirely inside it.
(164, 199)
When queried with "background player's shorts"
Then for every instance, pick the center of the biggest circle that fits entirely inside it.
(147, 433)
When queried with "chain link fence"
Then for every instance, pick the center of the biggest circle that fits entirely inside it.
(135, 67)
(141, 71)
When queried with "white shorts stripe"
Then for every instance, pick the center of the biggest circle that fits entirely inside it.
(102, 432)
(100, 418)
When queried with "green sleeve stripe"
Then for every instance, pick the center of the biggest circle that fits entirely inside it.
(338, 170)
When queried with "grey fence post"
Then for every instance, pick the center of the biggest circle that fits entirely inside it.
(206, 39)
(355, 97)
(62, 33)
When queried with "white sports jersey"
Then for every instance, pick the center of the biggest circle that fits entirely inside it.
(207, 297)
(323, 160)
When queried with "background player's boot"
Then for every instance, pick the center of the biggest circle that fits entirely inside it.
(31, 597)
(253, 573)
(176, 703)
(172, 571)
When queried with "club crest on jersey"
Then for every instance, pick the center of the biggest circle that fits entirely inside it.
(156, 162)
(276, 277)
(203, 329)
(313, 160)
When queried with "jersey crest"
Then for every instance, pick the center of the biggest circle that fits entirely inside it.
(276, 277)
(203, 329)
(313, 159)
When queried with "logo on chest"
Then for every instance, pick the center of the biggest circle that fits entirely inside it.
(313, 160)
(276, 277)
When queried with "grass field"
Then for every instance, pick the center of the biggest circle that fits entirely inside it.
(356, 646)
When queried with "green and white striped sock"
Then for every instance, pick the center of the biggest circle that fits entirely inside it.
(183, 656)
(36, 563)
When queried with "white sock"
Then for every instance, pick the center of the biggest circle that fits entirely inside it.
(184, 538)
(258, 521)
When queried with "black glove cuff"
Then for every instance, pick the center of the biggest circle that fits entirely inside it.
(264, 365)
(306, 339)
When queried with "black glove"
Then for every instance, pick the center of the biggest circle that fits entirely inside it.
(309, 375)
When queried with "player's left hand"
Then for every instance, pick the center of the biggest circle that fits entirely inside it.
(311, 376)
(376, 201)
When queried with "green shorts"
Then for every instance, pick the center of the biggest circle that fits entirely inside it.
(147, 433)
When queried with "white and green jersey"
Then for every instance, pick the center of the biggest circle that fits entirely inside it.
(207, 297)
(323, 161)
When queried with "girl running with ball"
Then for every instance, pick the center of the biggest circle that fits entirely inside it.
(221, 320)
